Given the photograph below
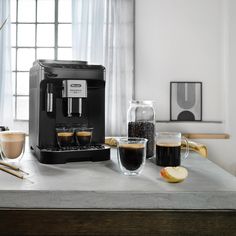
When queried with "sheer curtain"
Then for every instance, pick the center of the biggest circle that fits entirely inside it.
(6, 115)
(103, 34)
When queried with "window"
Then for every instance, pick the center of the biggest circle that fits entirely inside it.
(41, 29)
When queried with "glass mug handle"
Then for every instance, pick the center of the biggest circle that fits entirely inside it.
(185, 140)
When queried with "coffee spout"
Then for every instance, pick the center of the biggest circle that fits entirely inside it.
(80, 107)
(69, 107)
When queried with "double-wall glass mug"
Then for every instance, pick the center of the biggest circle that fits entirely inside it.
(12, 145)
(131, 155)
(168, 148)
(83, 136)
(65, 137)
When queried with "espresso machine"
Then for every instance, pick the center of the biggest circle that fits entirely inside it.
(69, 94)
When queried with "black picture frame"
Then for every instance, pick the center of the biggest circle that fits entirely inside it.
(200, 102)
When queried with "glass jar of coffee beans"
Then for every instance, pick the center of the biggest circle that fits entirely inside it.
(141, 123)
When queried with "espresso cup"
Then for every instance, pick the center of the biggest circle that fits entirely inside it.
(65, 137)
(84, 136)
(12, 145)
(131, 155)
(168, 148)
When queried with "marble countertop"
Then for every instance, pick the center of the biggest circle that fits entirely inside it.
(100, 185)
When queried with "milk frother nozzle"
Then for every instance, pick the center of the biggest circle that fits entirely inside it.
(49, 97)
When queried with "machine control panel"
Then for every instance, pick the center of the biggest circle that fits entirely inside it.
(74, 89)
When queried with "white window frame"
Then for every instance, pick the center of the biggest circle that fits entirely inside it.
(23, 123)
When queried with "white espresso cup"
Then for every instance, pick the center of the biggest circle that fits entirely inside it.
(12, 145)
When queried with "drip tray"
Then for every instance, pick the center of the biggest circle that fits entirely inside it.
(54, 155)
(74, 148)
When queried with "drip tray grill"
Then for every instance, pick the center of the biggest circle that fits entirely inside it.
(74, 148)
(55, 155)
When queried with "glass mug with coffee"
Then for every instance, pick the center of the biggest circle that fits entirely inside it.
(131, 155)
(12, 145)
(65, 137)
(84, 135)
(168, 148)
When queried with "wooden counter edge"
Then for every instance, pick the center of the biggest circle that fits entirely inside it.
(58, 222)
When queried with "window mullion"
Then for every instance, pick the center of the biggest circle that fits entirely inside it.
(56, 29)
(16, 66)
(36, 27)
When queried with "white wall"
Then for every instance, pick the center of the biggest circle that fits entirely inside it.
(231, 83)
(179, 40)
(190, 40)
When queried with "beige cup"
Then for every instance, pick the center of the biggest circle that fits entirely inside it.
(12, 145)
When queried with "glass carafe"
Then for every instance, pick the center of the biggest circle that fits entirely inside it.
(141, 123)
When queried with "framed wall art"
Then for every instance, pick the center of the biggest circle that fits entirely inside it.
(186, 101)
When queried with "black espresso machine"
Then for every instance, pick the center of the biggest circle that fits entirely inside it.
(69, 94)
